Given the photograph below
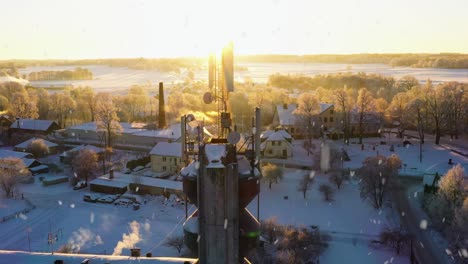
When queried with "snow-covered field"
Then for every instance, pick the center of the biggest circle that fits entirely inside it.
(119, 79)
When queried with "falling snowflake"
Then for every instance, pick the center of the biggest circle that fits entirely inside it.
(91, 218)
(383, 181)
(198, 239)
(197, 165)
(368, 254)
(380, 161)
(351, 173)
(448, 251)
(72, 205)
(443, 220)
(276, 242)
(225, 223)
(415, 194)
(137, 189)
(59, 202)
(23, 216)
(421, 244)
(402, 213)
(464, 252)
(380, 212)
(423, 224)
(312, 175)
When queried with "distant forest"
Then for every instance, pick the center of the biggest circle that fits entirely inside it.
(442, 60)
(76, 74)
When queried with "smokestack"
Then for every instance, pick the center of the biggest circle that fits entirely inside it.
(258, 124)
(111, 174)
(162, 111)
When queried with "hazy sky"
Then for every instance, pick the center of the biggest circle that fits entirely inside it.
(47, 29)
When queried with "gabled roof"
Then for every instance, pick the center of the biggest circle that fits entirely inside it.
(14, 154)
(33, 124)
(167, 149)
(26, 143)
(285, 114)
(279, 135)
(324, 107)
(282, 132)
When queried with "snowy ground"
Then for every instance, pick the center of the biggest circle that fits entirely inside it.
(91, 227)
(351, 222)
(11, 206)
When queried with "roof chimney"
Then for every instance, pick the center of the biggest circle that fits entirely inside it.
(111, 174)
(17, 122)
(162, 111)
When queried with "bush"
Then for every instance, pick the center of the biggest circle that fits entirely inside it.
(132, 164)
(38, 148)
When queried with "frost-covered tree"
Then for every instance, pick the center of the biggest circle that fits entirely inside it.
(176, 242)
(85, 164)
(306, 113)
(301, 245)
(365, 104)
(271, 173)
(106, 117)
(451, 186)
(396, 238)
(12, 171)
(376, 177)
(271, 229)
(38, 148)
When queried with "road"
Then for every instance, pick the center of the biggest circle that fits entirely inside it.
(425, 248)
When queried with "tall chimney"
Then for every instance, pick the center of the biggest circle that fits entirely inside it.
(162, 111)
(111, 174)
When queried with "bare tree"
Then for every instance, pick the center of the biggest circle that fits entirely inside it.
(62, 108)
(176, 242)
(106, 117)
(305, 184)
(271, 173)
(338, 177)
(327, 192)
(38, 148)
(395, 238)
(23, 106)
(343, 101)
(376, 177)
(12, 171)
(85, 164)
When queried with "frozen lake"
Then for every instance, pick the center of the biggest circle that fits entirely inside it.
(118, 79)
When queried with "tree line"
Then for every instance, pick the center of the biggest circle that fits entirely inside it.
(76, 74)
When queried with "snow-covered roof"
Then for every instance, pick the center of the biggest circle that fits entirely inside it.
(26, 143)
(30, 162)
(285, 114)
(40, 167)
(191, 225)
(13, 154)
(214, 153)
(190, 170)
(121, 180)
(172, 132)
(33, 124)
(167, 149)
(324, 107)
(279, 135)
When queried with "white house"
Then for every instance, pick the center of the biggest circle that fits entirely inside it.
(276, 144)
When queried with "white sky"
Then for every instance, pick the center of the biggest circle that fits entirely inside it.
(48, 29)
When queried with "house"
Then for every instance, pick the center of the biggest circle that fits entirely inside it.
(119, 183)
(371, 124)
(166, 157)
(32, 127)
(285, 117)
(24, 145)
(27, 158)
(276, 144)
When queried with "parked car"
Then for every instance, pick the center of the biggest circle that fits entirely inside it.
(91, 197)
(108, 198)
(80, 185)
(123, 201)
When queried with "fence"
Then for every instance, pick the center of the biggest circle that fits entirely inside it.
(29, 208)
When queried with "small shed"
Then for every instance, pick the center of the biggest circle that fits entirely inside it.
(110, 186)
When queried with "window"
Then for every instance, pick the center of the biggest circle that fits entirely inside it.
(279, 143)
(164, 168)
(325, 119)
(273, 143)
(331, 119)
(164, 158)
(270, 151)
(331, 112)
